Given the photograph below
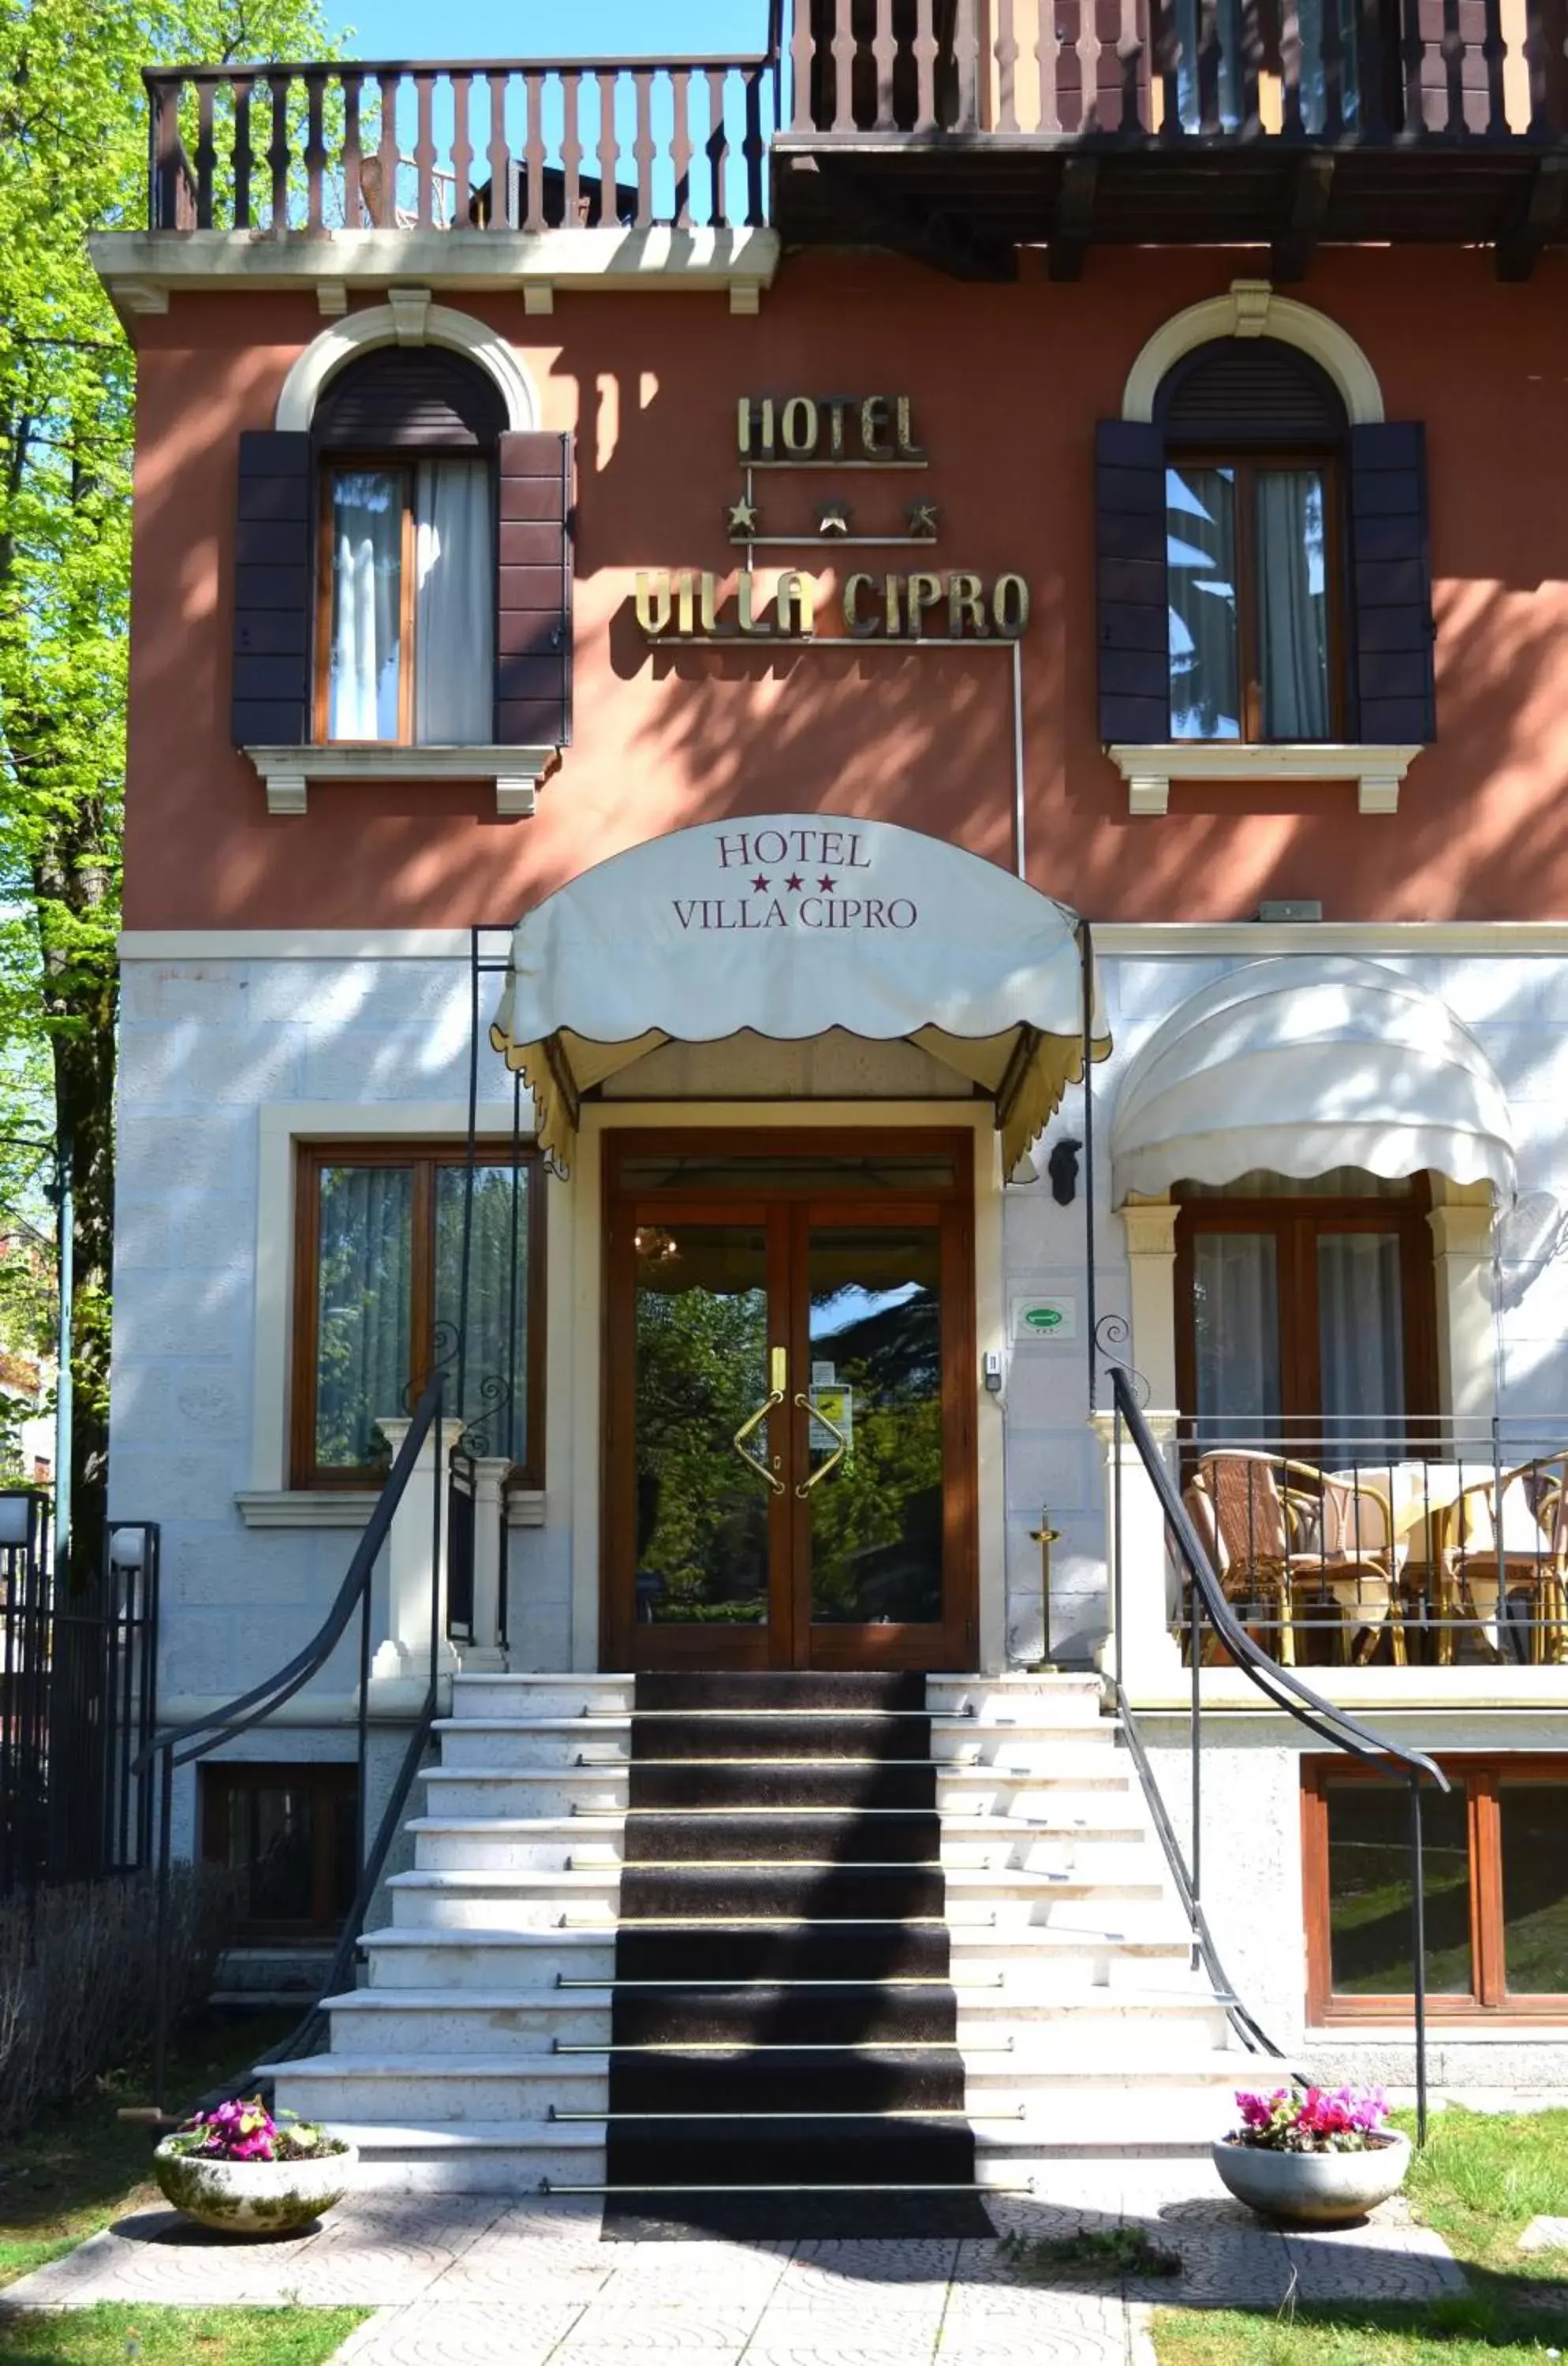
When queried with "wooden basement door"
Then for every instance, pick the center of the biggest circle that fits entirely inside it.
(790, 1417)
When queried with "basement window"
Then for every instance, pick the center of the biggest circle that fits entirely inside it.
(1495, 1864)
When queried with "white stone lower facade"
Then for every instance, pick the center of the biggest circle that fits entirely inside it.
(231, 1057)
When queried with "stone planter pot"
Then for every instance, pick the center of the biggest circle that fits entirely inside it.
(253, 2197)
(1314, 2189)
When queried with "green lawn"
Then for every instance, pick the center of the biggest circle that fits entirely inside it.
(111, 2334)
(81, 2166)
(1479, 2183)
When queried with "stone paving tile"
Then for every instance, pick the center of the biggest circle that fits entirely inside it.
(1545, 2234)
(1050, 2342)
(428, 2334)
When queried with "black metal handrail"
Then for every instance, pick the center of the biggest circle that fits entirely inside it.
(1283, 1688)
(1252, 2036)
(182, 1745)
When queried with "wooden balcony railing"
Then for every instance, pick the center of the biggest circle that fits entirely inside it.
(1217, 70)
(636, 143)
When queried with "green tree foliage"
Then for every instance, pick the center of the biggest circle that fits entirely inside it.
(73, 162)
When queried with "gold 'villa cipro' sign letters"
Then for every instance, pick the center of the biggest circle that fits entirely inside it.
(875, 435)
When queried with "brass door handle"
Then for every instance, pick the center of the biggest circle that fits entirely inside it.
(804, 1486)
(775, 1397)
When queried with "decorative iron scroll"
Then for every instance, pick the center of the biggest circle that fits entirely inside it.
(1111, 1331)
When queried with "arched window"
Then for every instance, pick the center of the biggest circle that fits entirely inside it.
(1262, 547)
(1255, 441)
(403, 564)
(404, 443)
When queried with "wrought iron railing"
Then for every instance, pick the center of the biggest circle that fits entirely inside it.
(1419, 1542)
(78, 1690)
(183, 1745)
(1211, 1614)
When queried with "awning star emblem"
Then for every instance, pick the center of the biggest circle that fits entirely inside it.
(742, 517)
(922, 517)
(833, 517)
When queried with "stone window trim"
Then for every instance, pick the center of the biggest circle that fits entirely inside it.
(514, 774)
(1149, 770)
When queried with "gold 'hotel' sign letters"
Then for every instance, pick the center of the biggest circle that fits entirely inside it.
(872, 434)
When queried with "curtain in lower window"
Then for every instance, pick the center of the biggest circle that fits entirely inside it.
(1236, 1323)
(495, 1357)
(1360, 1331)
(364, 1284)
(1293, 605)
(454, 603)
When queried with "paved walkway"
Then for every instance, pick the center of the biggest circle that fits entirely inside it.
(472, 2281)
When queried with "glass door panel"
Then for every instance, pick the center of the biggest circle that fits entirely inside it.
(703, 1484)
(1534, 1841)
(872, 1492)
(790, 1405)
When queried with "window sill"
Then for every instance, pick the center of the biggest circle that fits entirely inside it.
(287, 772)
(345, 1507)
(1149, 771)
(305, 1507)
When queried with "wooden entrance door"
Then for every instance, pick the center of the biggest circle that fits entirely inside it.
(790, 1477)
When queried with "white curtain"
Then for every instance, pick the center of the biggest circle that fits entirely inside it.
(1361, 1333)
(363, 1294)
(454, 603)
(1293, 602)
(368, 537)
(1199, 542)
(1236, 1327)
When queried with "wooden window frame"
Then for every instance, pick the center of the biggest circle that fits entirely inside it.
(402, 464)
(1490, 2002)
(422, 1158)
(1247, 464)
(1297, 1224)
(329, 1780)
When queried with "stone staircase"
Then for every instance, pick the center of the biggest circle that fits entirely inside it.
(481, 2053)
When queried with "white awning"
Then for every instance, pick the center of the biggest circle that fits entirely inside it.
(789, 925)
(1305, 1064)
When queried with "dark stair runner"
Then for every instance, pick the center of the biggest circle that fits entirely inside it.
(801, 1932)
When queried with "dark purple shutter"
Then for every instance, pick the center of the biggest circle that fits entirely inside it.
(271, 701)
(533, 614)
(1129, 551)
(1390, 567)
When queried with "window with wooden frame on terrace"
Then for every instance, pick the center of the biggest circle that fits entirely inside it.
(403, 569)
(380, 1234)
(1496, 1881)
(1264, 576)
(1309, 1311)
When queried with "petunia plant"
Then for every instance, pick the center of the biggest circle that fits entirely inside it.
(1312, 2119)
(241, 2130)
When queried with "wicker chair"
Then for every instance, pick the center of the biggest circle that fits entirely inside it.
(1284, 1535)
(1503, 1539)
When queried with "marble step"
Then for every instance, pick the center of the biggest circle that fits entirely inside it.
(989, 1698)
(598, 1741)
(509, 2157)
(451, 2019)
(585, 1843)
(1106, 1797)
(522, 1962)
(543, 1693)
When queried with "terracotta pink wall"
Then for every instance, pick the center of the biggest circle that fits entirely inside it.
(1006, 384)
